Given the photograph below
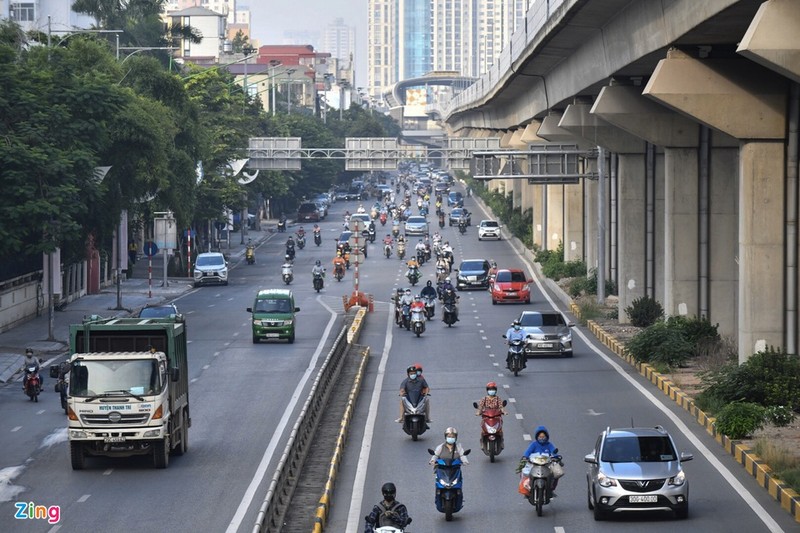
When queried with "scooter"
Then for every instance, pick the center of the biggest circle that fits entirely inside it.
(421, 257)
(286, 273)
(462, 227)
(387, 250)
(449, 497)
(441, 219)
(382, 218)
(430, 306)
(290, 253)
(318, 281)
(516, 355)
(301, 241)
(449, 314)
(33, 383)
(414, 417)
(395, 230)
(338, 272)
(491, 431)
(538, 477)
(317, 237)
(401, 250)
(59, 373)
(405, 316)
(250, 254)
(413, 276)
(282, 224)
(418, 322)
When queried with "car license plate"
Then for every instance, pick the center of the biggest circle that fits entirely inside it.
(642, 499)
(546, 345)
(511, 293)
(114, 439)
(272, 335)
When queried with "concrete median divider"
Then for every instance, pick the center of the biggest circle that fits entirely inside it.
(324, 506)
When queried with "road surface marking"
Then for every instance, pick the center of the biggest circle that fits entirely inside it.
(108, 472)
(526, 436)
(83, 498)
(40, 412)
(16, 429)
(519, 416)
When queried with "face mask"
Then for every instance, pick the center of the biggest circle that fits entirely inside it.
(516, 328)
(542, 440)
(491, 392)
(451, 440)
(412, 376)
(419, 374)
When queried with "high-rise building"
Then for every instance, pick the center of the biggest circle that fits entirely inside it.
(409, 38)
(339, 40)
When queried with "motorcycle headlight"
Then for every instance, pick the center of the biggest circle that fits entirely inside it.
(491, 429)
(605, 481)
(678, 480)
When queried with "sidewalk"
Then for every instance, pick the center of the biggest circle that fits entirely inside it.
(133, 296)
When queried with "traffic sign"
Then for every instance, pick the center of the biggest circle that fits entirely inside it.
(150, 249)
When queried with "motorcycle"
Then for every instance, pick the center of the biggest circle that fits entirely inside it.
(338, 272)
(449, 314)
(462, 226)
(421, 257)
(286, 273)
(538, 476)
(414, 417)
(290, 253)
(382, 218)
(405, 316)
(395, 230)
(491, 431)
(387, 250)
(449, 497)
(318, 281)
(401, 250)
(441, 219)
(317, 237)
(59, 373)
(282, 224)
(413, 276)
(301, 241)
(371, 233)
(516, 355)
(430, 306)
(250, 254)
(418, 321)
(33, 383)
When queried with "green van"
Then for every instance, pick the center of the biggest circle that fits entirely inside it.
(273, 315)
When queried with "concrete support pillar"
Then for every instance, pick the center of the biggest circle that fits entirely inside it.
(555, 216)
(771, 39)
(761, 254)
(631, 235)
(574, 243)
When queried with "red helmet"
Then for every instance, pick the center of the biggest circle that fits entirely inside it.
(491, 385)
(418, 366)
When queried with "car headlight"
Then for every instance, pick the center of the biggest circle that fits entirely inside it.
(566, 339)
(287, 322)
(605, 481)
(678, 480)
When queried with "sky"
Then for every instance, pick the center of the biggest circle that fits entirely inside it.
(270, 18)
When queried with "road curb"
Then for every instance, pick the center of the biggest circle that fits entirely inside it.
(788, 499)
(326, 500)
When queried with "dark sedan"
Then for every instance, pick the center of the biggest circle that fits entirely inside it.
(473, 274)
(457, 214)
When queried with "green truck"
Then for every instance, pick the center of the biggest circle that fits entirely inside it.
(128, 389)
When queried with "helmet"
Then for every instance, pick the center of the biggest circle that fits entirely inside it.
(429, 283)
(411, 369)
(317, 262)
(491, 385)
(516, 324)
(338, 253)
(447, 279)
(416, 298)
(388, 489)
(418, 366)
(28, 351)
(408, 291)
(451, 431)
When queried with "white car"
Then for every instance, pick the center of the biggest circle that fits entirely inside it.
(416, 225)
(489, 229)
(210, 268)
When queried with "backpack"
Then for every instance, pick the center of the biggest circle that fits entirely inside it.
(389, 516)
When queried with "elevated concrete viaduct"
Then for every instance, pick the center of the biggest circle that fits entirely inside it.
(698, 105)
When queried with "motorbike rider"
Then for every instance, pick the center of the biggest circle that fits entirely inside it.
(387, 512)
(317, 269)
(515, 333)
(30, 360)
(450, 448)
(428, 291)
(413, 266)
(301, 232)
(388, 241)
(361, 209)
(449, 297)
(491, 400)
(420, 247)
(542, 444)
(413, 388)
(418, 305)
(290, 247)
(338, 262)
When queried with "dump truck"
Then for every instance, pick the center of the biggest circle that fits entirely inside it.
(128, 389)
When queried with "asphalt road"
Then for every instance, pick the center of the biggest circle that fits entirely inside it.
(245, 396)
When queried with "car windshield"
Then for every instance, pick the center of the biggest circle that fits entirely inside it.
(489, 224)
(457, 212)
(473, 265)
(273, 306)
(504, 276)
(137, 376)
(210, 260)
(416, 220)
(649, 449)
(155, 312)
(542, 319)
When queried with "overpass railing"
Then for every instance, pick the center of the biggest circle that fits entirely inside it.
(538, 15)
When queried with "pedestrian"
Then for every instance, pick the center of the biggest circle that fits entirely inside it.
(132, 252)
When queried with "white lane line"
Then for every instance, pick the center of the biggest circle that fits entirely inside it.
(40, 412)
(206, 367)
(479, 324)
(506, 386)
(84, 498)
(354, 515)
(495, 364)
(512, 400)
(108, 472)
(484, 338)
(192, 380)
(488, 346)
(16, 429)
(258, 476)
(54, 528)
(526, 436)
(519, 416)
(559, 529)
(491, 355)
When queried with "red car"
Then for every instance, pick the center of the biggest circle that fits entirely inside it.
(511, 285)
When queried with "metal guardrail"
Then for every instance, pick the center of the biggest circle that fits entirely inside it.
(281, 488)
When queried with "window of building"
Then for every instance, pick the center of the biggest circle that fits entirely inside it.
(22, 12)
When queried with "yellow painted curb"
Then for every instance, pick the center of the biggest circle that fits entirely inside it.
(788, 499)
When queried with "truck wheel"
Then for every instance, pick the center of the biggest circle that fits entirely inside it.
(77, 455)
(161, 453)
(291, 338)
(182, 448)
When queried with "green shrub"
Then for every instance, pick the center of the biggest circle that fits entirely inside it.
(767, 378)
(738, 420)
(660, 345)
(780, 415)
(589, 311)
(644, 311)
(709, 403)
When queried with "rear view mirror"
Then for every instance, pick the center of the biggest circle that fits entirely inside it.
(296, 309)
(590, 458)
(505, 403)
(474, 404)
(249, 309)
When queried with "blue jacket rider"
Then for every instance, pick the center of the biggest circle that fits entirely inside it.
(515, 333)
(542, 444)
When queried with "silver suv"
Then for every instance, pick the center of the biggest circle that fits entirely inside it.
(210, 268)
(636, 469)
